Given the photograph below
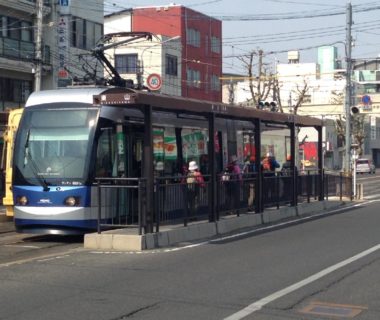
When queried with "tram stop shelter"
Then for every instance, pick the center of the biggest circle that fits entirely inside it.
(230, 130)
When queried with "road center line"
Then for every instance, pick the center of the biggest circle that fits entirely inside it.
(276, 295)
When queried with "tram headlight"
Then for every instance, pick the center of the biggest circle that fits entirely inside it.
(72, 201)
(22, 200)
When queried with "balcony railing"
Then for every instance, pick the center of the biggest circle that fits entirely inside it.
(23, 50)
(45, 2)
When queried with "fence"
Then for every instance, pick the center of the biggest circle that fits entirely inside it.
(122, 201)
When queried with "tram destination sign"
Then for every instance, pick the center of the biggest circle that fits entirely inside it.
(115, 98)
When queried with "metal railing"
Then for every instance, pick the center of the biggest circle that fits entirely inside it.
(122, 201)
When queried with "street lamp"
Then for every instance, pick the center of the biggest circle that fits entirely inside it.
(141, 71)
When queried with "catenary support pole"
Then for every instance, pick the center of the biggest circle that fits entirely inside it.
(347, 160)
(38, 57)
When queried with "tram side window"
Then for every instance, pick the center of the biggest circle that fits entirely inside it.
(194, 147)
(165, 150)
(105, 153)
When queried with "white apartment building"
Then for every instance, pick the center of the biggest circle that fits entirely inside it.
(69, 29)
(138, 61)
(323, 99)
(145, 61)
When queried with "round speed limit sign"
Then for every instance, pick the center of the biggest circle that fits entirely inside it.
(154, 81)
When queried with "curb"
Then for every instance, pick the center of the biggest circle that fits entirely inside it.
(121, 241)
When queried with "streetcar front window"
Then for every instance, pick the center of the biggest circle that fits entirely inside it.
(53, 146)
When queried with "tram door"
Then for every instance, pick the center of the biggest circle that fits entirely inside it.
(134, 142)
(134, 145)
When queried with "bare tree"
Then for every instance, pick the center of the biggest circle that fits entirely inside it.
(300, 92)
(357, 124)
(263, 84)
(358, 132)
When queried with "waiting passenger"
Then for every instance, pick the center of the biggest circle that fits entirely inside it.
(194, 181)
(270, 164)
(234, 184)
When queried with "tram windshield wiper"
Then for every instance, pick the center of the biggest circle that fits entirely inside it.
(33, 166)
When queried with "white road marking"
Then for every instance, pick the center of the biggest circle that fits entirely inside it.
(372, 196)
(20, 246)
(276, 295)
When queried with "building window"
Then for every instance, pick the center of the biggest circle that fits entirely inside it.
(215, 83)
(193, 37)
(215, 45)
(13, 28)
(84, 33)
(16, 29)
(193, 78)
(26, 31)
(126, 63)
(77, 33)
(13, 90)
(171, 66)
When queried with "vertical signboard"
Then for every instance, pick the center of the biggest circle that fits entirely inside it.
(63, 50)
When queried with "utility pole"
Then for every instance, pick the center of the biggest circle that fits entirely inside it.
(231, 92)
(38, 69)
(347, 160)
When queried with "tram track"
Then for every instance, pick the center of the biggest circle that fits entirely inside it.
(18, 248)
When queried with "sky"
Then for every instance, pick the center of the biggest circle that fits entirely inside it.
(278, 26)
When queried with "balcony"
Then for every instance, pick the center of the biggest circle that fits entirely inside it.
(28, 6)
(46, 2)
(22, 50)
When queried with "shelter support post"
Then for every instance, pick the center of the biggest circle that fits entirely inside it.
(148, 213)
(320, 164)
(212, 162)
(293, 139)
(259, 206)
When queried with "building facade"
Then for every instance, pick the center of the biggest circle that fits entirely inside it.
(366, 80)
(67, 29)
(193, 66)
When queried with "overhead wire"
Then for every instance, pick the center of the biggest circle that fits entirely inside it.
(361, 8)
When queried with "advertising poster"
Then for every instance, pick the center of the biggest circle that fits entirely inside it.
(194, 143)
(310, 155)
(158, 143)
(170, 144)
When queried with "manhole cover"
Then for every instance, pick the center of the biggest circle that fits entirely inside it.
(331, 309)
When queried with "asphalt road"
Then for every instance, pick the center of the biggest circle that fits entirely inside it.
(371, 185)
(282, 274)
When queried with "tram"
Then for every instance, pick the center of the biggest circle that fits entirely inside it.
(67, 138)
(6, 161)
(64, 142)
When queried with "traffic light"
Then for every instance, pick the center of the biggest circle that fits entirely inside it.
(273, 106)
(355, 110)
(265, 105)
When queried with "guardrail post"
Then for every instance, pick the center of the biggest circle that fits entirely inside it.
(341, 186)
(277, 177)
(308, 185)
(99, 207)
(139, 208)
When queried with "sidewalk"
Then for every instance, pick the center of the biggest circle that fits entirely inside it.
(127, 239)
